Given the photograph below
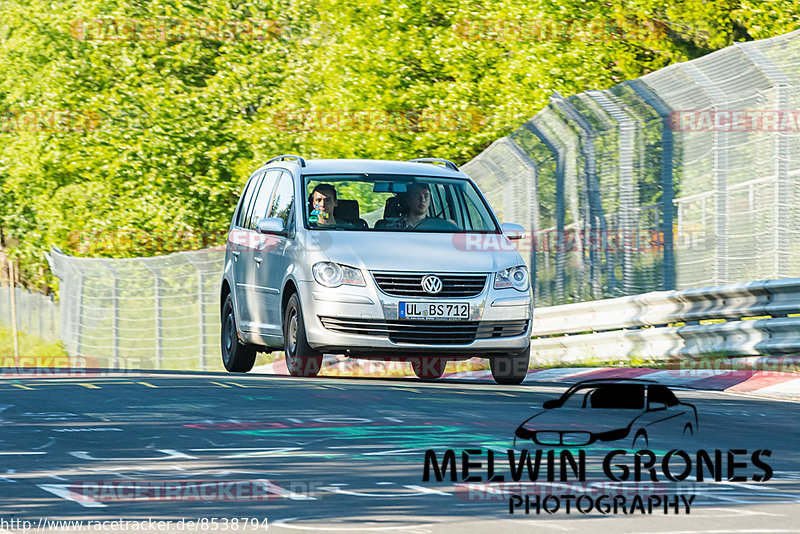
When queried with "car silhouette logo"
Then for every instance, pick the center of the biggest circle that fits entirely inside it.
(431, 284)
(604, 410)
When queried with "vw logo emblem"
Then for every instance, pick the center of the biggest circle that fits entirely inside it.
(431, 284)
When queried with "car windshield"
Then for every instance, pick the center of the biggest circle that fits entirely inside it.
(395, 203)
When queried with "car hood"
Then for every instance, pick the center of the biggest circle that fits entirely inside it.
(411, 251)
(581, 420)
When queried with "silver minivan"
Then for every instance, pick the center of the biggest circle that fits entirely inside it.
(383, 260)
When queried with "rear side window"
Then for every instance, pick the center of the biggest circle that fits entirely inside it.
(259, 207)
(247, 198)
(283, 199)
(662, 394)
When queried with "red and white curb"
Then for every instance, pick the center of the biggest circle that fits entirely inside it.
(753, 381)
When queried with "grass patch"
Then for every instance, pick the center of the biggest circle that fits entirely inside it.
(29, 346)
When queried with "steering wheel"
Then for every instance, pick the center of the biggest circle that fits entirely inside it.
(433, 223)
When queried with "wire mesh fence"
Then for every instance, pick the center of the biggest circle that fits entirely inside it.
(686, 177)
(36, 314)
(144, 313)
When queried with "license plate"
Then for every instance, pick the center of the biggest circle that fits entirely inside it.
(433, 310)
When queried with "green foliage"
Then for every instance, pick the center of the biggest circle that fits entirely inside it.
(31, 348)
(108, 128)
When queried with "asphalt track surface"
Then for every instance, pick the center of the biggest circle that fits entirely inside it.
(346, 455)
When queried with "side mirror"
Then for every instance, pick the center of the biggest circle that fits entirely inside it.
(272, 226)
(550, 404)
(513, 230)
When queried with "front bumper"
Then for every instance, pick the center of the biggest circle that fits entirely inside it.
(363, 322)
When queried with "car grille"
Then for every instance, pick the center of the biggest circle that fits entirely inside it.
(410, 284)
(427, 332)
(563, 438)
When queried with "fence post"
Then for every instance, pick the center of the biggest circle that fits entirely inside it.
(78, 317)
(627, 186)
(783, 184)
(595, 219)
(13, 292)
(200, 309)
(157, 314)
(54, 326)
(667, 170)
(533, 203)
(719, 172)
(115, 315)
(28, 298)
(40, 314)
(560, 155)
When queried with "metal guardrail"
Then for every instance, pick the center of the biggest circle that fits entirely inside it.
(754, 319)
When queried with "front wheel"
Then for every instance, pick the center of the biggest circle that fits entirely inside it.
(237, 357)
(428, 368)
(510, 369)
(301, 359)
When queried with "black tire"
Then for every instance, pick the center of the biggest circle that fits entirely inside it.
(237, 357)
(301, 359)
(428, 368)
(510, 369)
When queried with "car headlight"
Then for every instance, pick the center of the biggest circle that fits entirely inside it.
(516, 277)
(331, 274)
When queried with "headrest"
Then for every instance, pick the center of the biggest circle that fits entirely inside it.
(347, 210)
(395, 207)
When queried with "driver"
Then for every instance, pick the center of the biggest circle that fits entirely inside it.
(418, 200)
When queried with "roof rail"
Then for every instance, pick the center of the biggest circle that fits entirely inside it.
(299, 159)
(447, 163)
